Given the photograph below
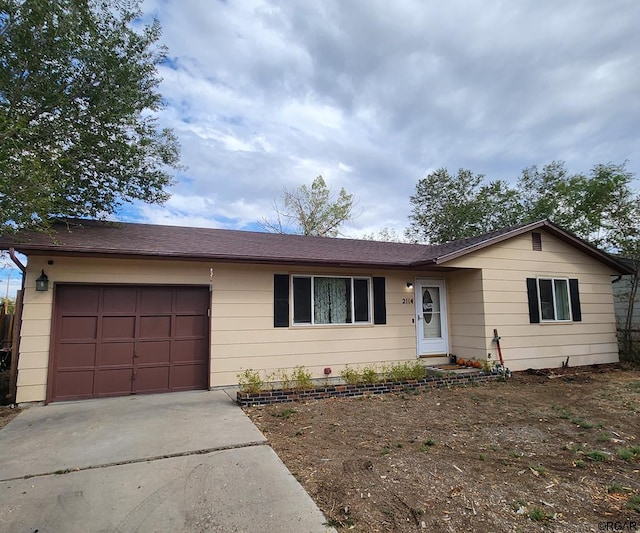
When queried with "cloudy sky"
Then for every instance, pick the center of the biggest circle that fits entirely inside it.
(375, 94)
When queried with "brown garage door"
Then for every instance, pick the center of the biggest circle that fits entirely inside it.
(119, 340)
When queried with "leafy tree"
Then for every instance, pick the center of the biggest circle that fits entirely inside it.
(78, 101)
(311, 210)
(447, 207)
(385, 235)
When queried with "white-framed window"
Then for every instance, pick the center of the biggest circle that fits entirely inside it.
(554, 299)
(331, 299)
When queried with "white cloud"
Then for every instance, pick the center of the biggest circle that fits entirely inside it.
(265, 93)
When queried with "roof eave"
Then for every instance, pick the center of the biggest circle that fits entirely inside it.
(136, 254)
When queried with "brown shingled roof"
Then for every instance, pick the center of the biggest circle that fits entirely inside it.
(101, 238)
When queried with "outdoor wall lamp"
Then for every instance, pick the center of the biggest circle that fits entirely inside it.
(409, 284)
(42, 283)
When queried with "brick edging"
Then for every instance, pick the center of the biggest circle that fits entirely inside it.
(268, 397)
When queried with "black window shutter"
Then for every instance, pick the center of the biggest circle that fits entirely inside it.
(301, 300)
(576, 312)
(532, 295)
(280, 300)
(379, 302)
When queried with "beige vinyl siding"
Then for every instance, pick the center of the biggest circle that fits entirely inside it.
(505, 267)
(243, 339)
(466, 313)
(242, 332)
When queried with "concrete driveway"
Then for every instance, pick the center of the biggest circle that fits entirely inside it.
(174, 462)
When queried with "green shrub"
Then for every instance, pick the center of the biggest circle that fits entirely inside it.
(250, 382)
(369, 375)
(350, 376)
(301, 378)
(405, 371)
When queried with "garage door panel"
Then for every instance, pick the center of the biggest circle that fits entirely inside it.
(119, 340)
(184, 377)
(153, 352)
(190, 350)
(78, 328)
(190, 326)
(119, 300)
(118, 327)
(78, 299)
(152, 327)
(72, 385)
(113, 382)
(77, 355)
(116, 354)
(152, 379)
(191, 300)
(155, 300)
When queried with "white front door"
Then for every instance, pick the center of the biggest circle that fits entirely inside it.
(431, 317)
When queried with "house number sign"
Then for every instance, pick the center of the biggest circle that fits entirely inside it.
(407, 300)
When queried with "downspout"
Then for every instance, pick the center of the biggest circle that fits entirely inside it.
(15, 347)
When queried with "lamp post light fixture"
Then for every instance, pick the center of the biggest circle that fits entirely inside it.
(42, 283)
(409, 284)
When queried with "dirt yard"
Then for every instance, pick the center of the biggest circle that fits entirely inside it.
(532, 454)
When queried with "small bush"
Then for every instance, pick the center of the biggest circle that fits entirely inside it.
(250, 382)
(369, 375)
(350, 376)
(301, 378)
(405, 371)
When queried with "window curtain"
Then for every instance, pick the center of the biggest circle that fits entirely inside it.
(332, 300)
(562, 299)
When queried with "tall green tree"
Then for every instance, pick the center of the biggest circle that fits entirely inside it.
(447, 207)
(601, 206)
(314, 210)
(79, 133)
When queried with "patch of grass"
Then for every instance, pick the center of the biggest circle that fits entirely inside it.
(597, 456)
(494, 447)
(603, 437)
(616, 488)
(629, 454)
(562, 412)
(517, 504)
(483, 456)
(515, 453)
(285, 413)
(540, 469)
(579, 463)
(427, 444)
(582, 423)
(633, 502)
(386, 450)
(539, 515)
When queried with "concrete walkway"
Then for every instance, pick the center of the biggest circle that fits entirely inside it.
(174, 462)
